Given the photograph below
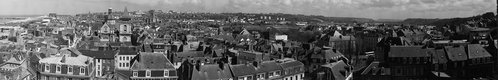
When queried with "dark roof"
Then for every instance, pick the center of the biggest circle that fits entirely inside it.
(408, 51)
(287, 63)
(212, 72)
(124, 73)
(224, 37)
(456, 53)
(328, 54)
(127, 51)
(242, 69)
(336, 68)
(477, 51)
(96, 26)
(151, 61)
(438, 55)
(267, 66)
(108, 54)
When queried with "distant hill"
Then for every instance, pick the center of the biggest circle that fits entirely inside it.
(308, 18)
(389, 20)
(487, 19)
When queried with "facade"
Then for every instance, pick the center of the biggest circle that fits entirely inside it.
(123, 58)
(291, 69)
(125, 32)
(281, 69)
(344, 44)
(104, 61)
(212, 72)
(408, 62)
(66, 67)
(152, 66)
(325, 56)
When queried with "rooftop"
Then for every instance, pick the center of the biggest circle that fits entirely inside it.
(146, 60)
(80, 60)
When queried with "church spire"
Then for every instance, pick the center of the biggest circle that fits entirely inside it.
(125, 9)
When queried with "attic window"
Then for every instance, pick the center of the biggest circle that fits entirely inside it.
(70, 69)
(59, 68)
(166, 73)
(135, 74)
(47, 67)
(82, 70)
(147, 73)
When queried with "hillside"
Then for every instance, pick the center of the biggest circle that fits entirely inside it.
(484, 20)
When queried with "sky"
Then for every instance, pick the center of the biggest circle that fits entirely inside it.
(376, 9)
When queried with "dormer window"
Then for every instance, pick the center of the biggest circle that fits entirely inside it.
(70, 69)
(135, 74)
(47, 67)
(147, 73)
(82, 70)
(166, 73)
(58, 69)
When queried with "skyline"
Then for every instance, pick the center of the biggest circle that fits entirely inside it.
(375, 9)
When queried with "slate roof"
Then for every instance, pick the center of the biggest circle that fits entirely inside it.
(438, 56)
(242, 69)
(212, 72)
(477, 51)
(96, 26)
(288, 62)
(127, 51)
(342, 38)
(328, 54)
(267, 66)
(146, 61)
(408, 51)
(108, 54)
(336, 68)
(456, 53)
(80, 60)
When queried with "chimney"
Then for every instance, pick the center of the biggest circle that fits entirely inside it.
(63, 60)
(255, 64)
(198, 65)
(221, 65)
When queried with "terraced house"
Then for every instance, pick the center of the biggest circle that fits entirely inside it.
(152, 66)
(78, 67)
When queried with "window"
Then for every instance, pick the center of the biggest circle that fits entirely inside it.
(120, 64)
(270, 74)
(120, 58)
(98, 67)
(135, 73)
(70, 69)
(58, 68)
(47, 67)
(147, 73)
(98, 60)
(249, 77)
(302, 76)
(277, 73)
(166, 73)
(127, 58)
(260, 76)
(82, 69)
